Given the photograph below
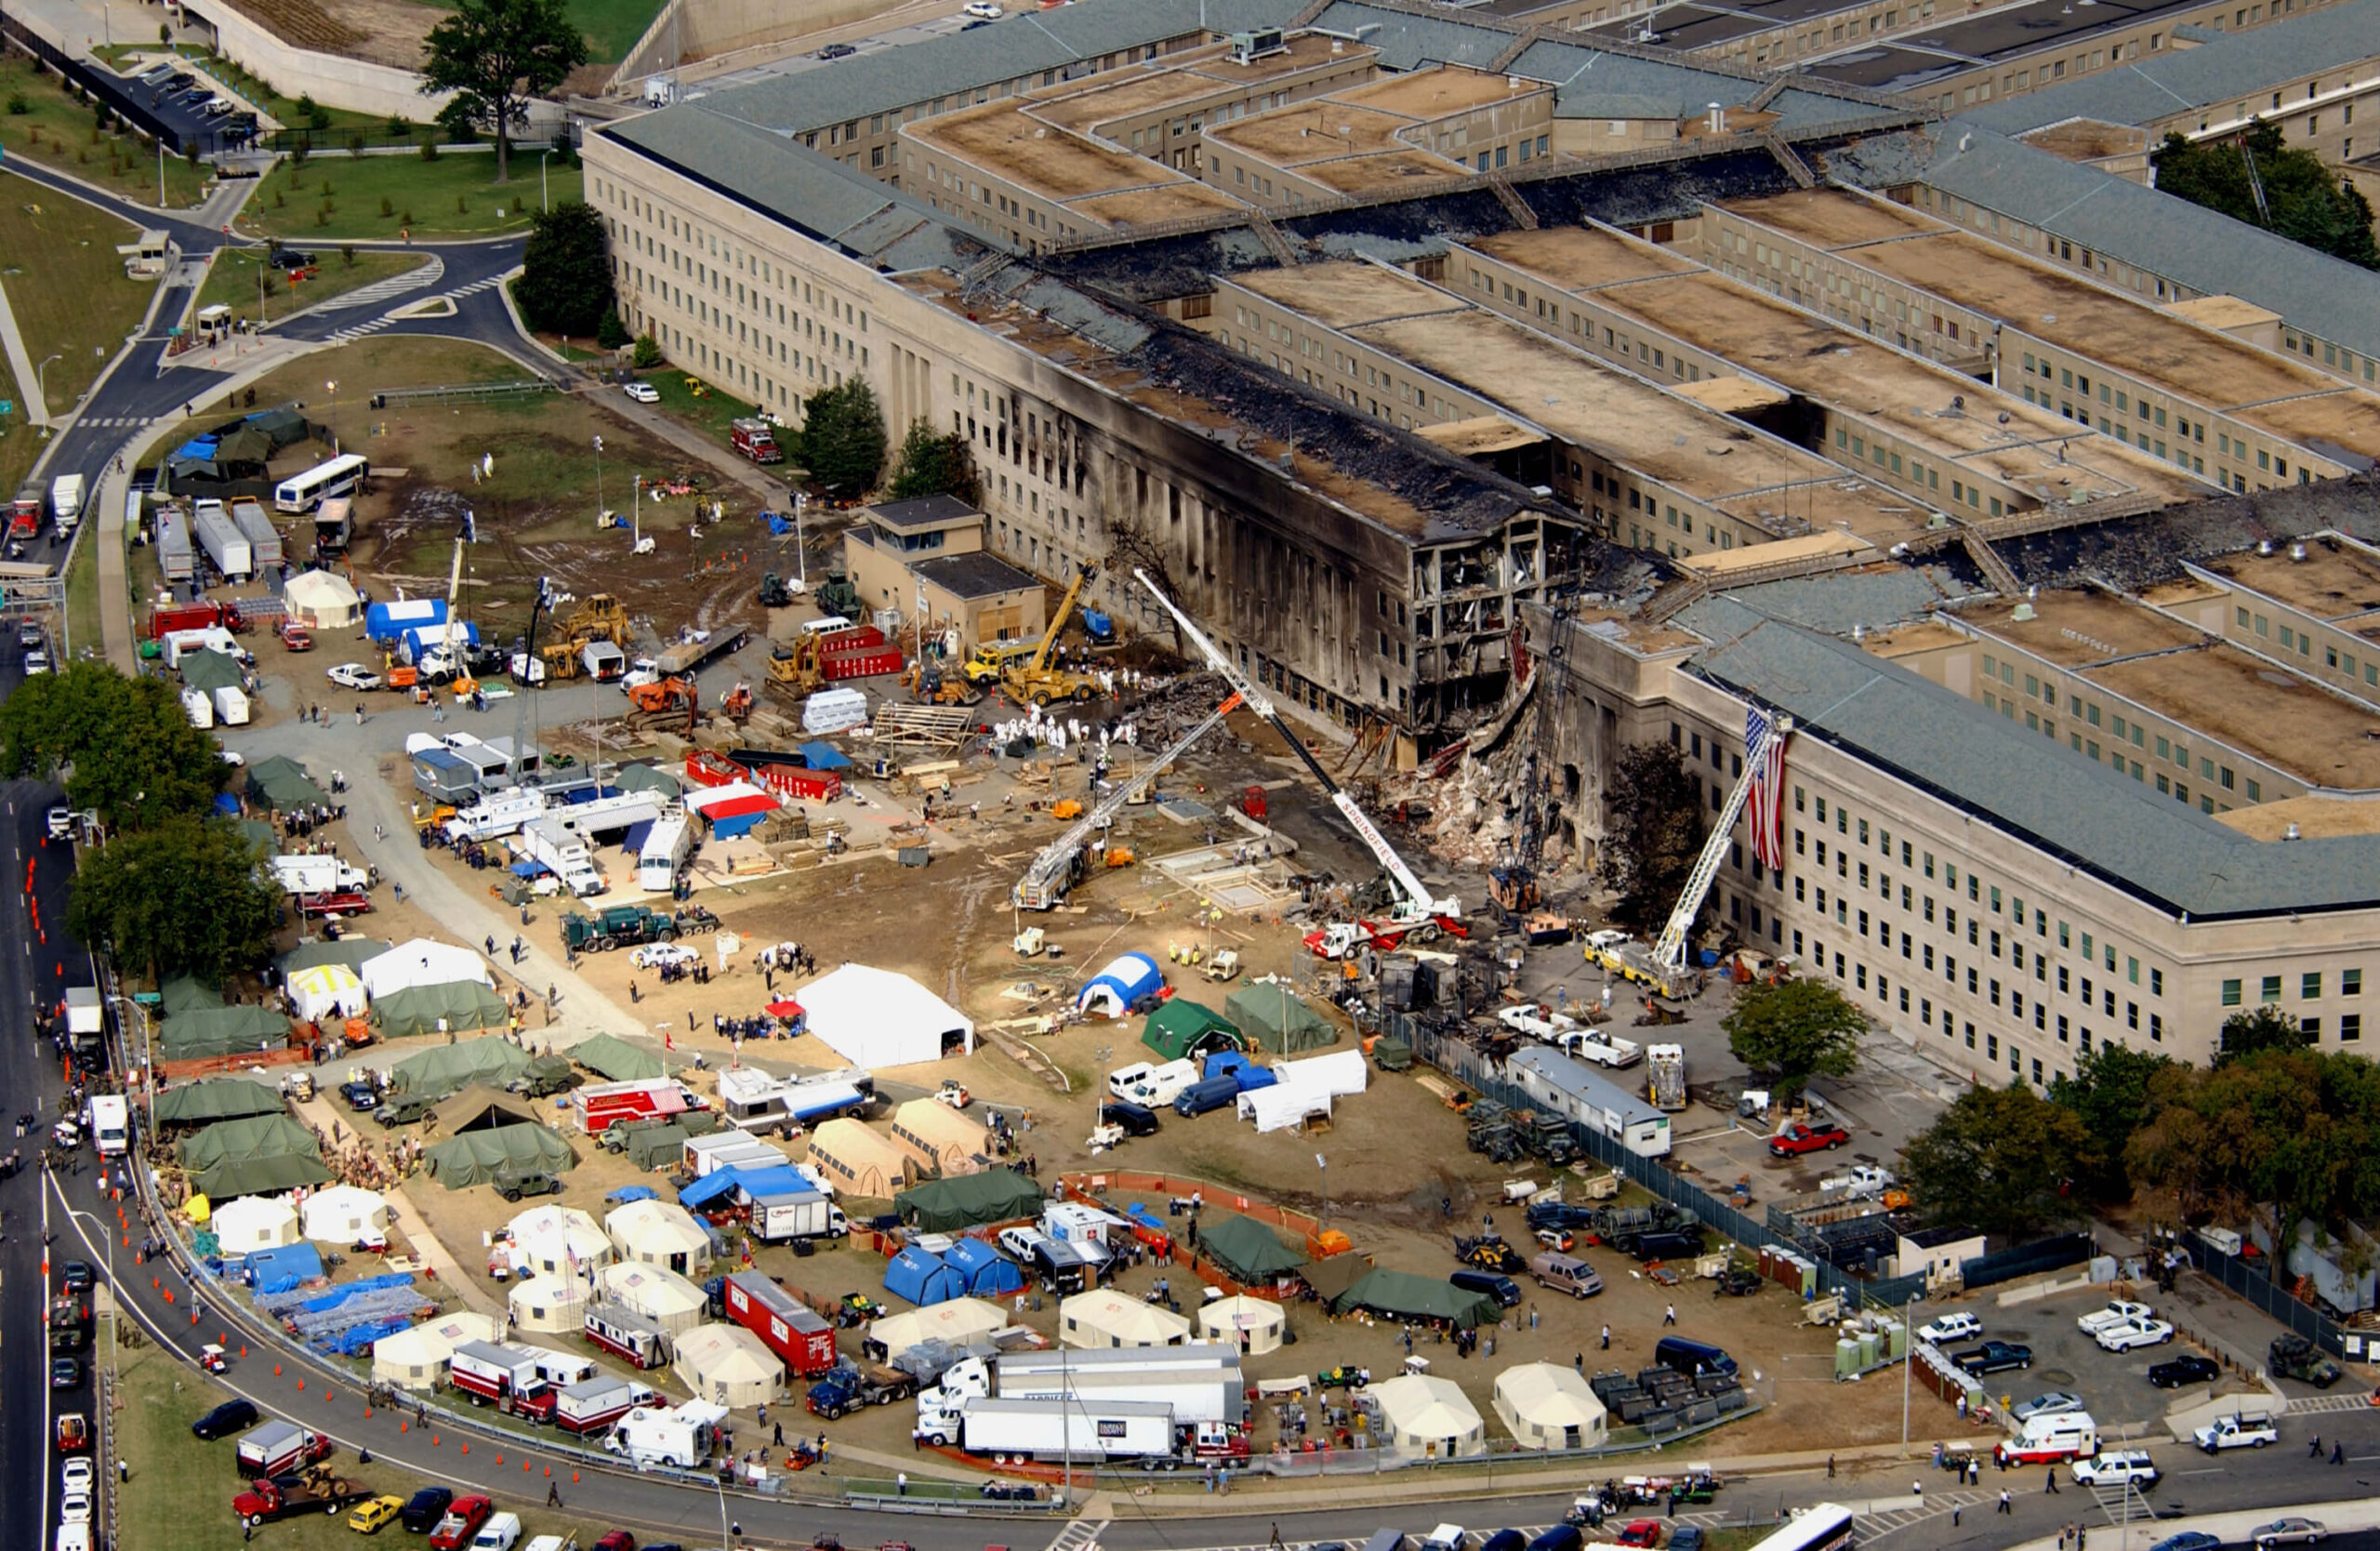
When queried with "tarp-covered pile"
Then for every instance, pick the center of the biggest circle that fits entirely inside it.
(972, 1200)
(203, 1032)
(348, 1319)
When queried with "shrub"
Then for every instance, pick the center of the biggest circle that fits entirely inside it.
(355, 144)
(312, 114)
(277, 201)
(388, 207)
(405, 220)
(323, 216)
(347, 254)
(18, 105)
(611, 333)
(400, 128)
(429, 150)
(648, 352)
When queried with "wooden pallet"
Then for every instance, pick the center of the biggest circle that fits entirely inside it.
(923, 726)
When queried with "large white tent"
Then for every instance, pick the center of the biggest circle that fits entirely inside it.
(1280, 1106)
(557, 1240)
(875, 1018)
(344, 1213)
(1338, 1073)
(959, 1321)
(1254, 1325)
(1429, 1415)
(423, 963)
(416, 1359)
(555, 1305)
(662, 1296)
(727, 1364)
(659, 1233)
(1546, 1405)
(1102, 1318)
(322, 601)
(326, 991)
(254, 1223)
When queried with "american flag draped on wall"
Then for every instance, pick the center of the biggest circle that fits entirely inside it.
(1764, 805)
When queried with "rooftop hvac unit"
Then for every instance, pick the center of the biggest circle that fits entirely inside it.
(1249, 47)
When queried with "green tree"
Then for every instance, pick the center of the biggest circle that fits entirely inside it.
(1794, 1030)
(2109, 1091)
(565, 271)
(610, 333)
(841, 440)
(2259, 179)
(2289, 1135)
(125, 745)
(2254, 1030)
(1999, 1160)
(648, 352)
(495, 56)
(1652, 833)
(931, 465)
(188, 896)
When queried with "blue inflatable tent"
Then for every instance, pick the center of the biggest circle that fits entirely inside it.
(922, 1278)
(1116, 990)
(987, 1272)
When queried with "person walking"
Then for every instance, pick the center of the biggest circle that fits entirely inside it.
(1606, 1339)
(554, 1493)
(2338, 1452)
(2007, 1504)
(2314, 1449)
(2052, 1488)
(1668, 1315)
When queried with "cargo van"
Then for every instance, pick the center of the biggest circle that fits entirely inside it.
(1211, 1094)
(1506, 1291)
(1692, 1358)
(2050, 1440)
(1565, 1274)
(1562, 1537)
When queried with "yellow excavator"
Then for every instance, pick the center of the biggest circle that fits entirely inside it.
(1034, 679)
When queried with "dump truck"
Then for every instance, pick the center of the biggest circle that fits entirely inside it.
(320, 1492)
(615, 926)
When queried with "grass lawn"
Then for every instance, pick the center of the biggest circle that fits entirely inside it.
(702, 403)
(233, 280)
(65, 284)
(181, 1489)
(454, 195)
(612, 27)
(58, 131)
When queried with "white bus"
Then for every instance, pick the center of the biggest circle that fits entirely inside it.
(309, 490)
(111, 1124)
(1826, 1526)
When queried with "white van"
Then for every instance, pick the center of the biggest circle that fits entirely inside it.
(826, 626)
(499, 1533)
(74, 1537)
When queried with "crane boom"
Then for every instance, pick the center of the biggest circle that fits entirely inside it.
(1416, 902)
(1669, 950)
(1058, 620)
(1044, 883)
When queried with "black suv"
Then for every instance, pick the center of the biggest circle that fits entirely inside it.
(232, 1416)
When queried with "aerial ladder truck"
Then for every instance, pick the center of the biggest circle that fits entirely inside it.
(1060, 864)
(1416, 913)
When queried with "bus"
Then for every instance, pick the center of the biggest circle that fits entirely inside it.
(111, 1124)
(338, 477)
(1826, 1526)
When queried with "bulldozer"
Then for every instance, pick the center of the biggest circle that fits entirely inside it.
(793, 667)
(600, 617)
(929, 686)
(1034, 679)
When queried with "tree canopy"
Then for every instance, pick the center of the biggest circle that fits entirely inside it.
(497, 55)
(2109, 1091)
(2254, 1030)
(2259, 179)
(1652, 832)
(127, 749)
(566, 271)
(1794, 1030)
(932, 465)
(842, 441)
(2290, 1135)
(1998, 1159)
(186, 896)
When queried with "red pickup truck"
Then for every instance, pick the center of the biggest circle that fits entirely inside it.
(1795, 1140)
(463, 1519)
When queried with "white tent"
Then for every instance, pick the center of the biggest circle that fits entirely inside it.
(416, 1359)
(555, 1305)
(1104, 1317)
(1546, 1405)
(958, 1321)
(1428, 1415)
(423, 963)
(1254, 1325)
(662, 1296)
(255, 1223)
(557, 1240)
(659, 1233)
(322, 600)
(875, 1018)
(727, 1364)
(1281, 1106)
(344, 1213)
(1338, 1073)
(326, 991)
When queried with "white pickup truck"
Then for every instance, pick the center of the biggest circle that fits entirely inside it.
(1604, 1050)
(2237, 1432)
(2115, 1313)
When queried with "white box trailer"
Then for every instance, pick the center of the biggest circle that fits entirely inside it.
(726, 1149)
(199, 708)
(175, 560)
(666, 846)
(563, 851)
(317, 875)
(264, 539)
(231, 705)
(1058, 1429)
(677, 1437)
(597, 1404)
(1188, 1395)
(231, 553)
(795, 1214)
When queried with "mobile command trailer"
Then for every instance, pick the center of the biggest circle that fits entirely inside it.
(1575, 1092)
(751, 1100)
(1187, 1394)
(596, 1404)
(264, 539)
(503, 1376)
(666, 846)
(632, 1337)
(679, 1437)
(786, 1325)
(598, 1108)
(1083, 1429)
(222, 542)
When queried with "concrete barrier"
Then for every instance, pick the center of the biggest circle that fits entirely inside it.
(332, 80)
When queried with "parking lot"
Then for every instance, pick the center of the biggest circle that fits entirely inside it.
(2113, 1386)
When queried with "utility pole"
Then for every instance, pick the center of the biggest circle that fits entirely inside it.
(1908, 1365)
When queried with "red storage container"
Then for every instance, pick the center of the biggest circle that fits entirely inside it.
(859, 662)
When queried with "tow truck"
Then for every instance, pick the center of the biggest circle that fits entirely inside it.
(318, 1491)
(1418, 914)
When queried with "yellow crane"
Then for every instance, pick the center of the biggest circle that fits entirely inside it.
(1034, 679)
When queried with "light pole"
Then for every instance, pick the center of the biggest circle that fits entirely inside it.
(1908, 1363)
(636, 521)
(600, 513)
(148, 1069)
(545, 201)
(1323, 1164)
(801, 561)
(41, 388)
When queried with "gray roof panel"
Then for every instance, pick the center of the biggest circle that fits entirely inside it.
(1410, 42)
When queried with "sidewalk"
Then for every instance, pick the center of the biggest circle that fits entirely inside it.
(2339, 1518)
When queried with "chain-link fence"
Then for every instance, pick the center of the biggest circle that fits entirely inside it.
(2246, 1279)
(2026, 1260)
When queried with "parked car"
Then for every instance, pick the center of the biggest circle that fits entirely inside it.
(2187, 1369)
(65, 1372)
(77, 1474)
(371, 1515)
(1794, 1140)
(2116, 1467)
(75, 1276)
(984, 8)
(1959, 1325)
(74, 1507)
(837, 51)
(2189, 1540)
(425, 1508)
(1994, 1356)
(644, 393)
(359, 1095)
(2116, 1312)
(2050, 1403)
(2294, 1530)
(232, 1416)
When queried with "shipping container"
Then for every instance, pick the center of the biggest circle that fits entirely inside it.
(222, 541)
(785, 1324)
(859, 662)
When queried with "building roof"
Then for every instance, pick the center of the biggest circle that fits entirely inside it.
(2219, 75)
(2203, 250)
(923, 511)
(2080, 813)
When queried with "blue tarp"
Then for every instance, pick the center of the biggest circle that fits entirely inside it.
(227, 804)
(200, 447)
(736, 827)
(775, 1180)
(779, 523)
(924, 1279)
(356, 1340)
(587, 794)
(824, 756)
(1225, 1063)
(627, 1193)
(525, 868)
(633, 842)
(989, 1273)
(281, 1269)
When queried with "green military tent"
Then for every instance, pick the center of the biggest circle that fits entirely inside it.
(254, 1136)
(181, 992)
(346, 952)
(208, 1031)
(257, 831)
(1275, 1020)
(443, 1068)
(279, 783)
(282, 427)
(474, 1157)
(1183, 1027)
(656, 1147)
(970, 1200)
(259, 1176)
(209, 671)
(1401, 1295)
(463, 1004)
(225, 1098)
(614, 1059)
(1335, 1274)
(1248, 1251)
(646, 777)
